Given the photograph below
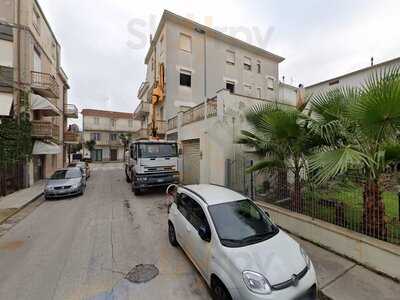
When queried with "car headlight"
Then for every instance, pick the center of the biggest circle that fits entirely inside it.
(49, 188)
(75, 185)
(256, 282)
(306, 257)
(142, 178)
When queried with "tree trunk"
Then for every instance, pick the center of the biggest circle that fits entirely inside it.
(297, 203)
(374, 223)
(281, 186)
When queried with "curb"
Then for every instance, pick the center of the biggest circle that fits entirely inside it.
(21, 208)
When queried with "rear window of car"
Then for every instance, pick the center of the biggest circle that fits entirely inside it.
(67, 174)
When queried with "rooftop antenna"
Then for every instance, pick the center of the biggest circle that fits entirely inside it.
(283, 78)
(151, 38)
(372, 61)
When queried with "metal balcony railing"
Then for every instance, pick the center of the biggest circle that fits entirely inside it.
(45, 130)
(71, 111)
(45, 84)
(142, 110)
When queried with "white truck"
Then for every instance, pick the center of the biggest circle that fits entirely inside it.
(150, 164)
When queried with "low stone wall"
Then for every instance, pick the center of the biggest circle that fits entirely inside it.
(374, 254)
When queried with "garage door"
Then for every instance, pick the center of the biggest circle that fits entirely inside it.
(191, 161)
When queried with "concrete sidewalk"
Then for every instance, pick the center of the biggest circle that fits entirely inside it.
(342, 279)
(12, 203)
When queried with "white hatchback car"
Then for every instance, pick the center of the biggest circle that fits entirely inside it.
(237, 249)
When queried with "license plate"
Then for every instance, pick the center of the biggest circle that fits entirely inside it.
(160, 180)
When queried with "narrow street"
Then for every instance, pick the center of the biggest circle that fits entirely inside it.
(82, 248)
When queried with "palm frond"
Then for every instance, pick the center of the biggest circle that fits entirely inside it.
(330, 163)
(265, 165)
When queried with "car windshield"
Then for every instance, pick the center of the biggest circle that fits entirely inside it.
(157, 150)
(67, 174)
(241, 223)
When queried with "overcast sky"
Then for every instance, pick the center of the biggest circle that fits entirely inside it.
(104, 42)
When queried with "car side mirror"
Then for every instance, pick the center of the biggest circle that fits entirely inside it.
(204, 233)
(267, 213)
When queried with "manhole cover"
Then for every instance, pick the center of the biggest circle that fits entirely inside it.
(142, 273)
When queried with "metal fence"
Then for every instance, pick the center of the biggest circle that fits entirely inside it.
(350, 201)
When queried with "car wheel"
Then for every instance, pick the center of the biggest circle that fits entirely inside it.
(172, 235)
(219, 291)
(137, 192)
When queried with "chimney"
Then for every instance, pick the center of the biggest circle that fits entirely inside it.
(151, 38)
(372, 61)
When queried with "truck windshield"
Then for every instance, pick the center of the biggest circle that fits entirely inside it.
(157, 150)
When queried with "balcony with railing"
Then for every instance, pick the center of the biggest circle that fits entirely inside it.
(45, 130)
(143, 133)
(161, 127)
(45, 84)
(173, 123)
(143, 89)
(6, 76)
(71, 137)
(71, 111)
(142, 110)
(197, 113)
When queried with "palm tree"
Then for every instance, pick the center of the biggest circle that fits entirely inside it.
(281, 135)
(361, 127)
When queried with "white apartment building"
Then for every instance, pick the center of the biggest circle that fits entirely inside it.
(105, 128)
(198, 62)
(352, 79)
(202, 65)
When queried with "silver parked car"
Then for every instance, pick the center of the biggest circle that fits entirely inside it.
(65, 182)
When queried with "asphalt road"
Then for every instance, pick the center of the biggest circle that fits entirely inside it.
(82, 248)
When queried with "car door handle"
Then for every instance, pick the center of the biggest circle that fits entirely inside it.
(188, 228)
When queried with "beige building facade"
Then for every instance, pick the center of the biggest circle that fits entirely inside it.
(106, 128)
(30, 64)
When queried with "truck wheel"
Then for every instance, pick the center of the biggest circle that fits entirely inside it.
(128, 180)
(135, 190)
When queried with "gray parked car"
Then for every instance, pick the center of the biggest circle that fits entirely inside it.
(65, 182)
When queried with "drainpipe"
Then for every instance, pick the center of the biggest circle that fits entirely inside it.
(18, 99)
(206, 148)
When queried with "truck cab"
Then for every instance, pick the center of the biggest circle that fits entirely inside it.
(151, 164)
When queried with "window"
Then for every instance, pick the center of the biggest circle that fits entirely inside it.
(259, 93)
(230, 57)
(241, 223)
(247, 63)
(191, 210)
(95, 136)
(270, 83)
(96, 120)
(130, 123)
(113, 136)
(258, 67)
(247, 89)
(230, 86)
(53, 50)
(113, 123)
(36, 19)
(185, 42)
(185, 78)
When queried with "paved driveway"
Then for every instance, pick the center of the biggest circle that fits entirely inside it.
(81, 248)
